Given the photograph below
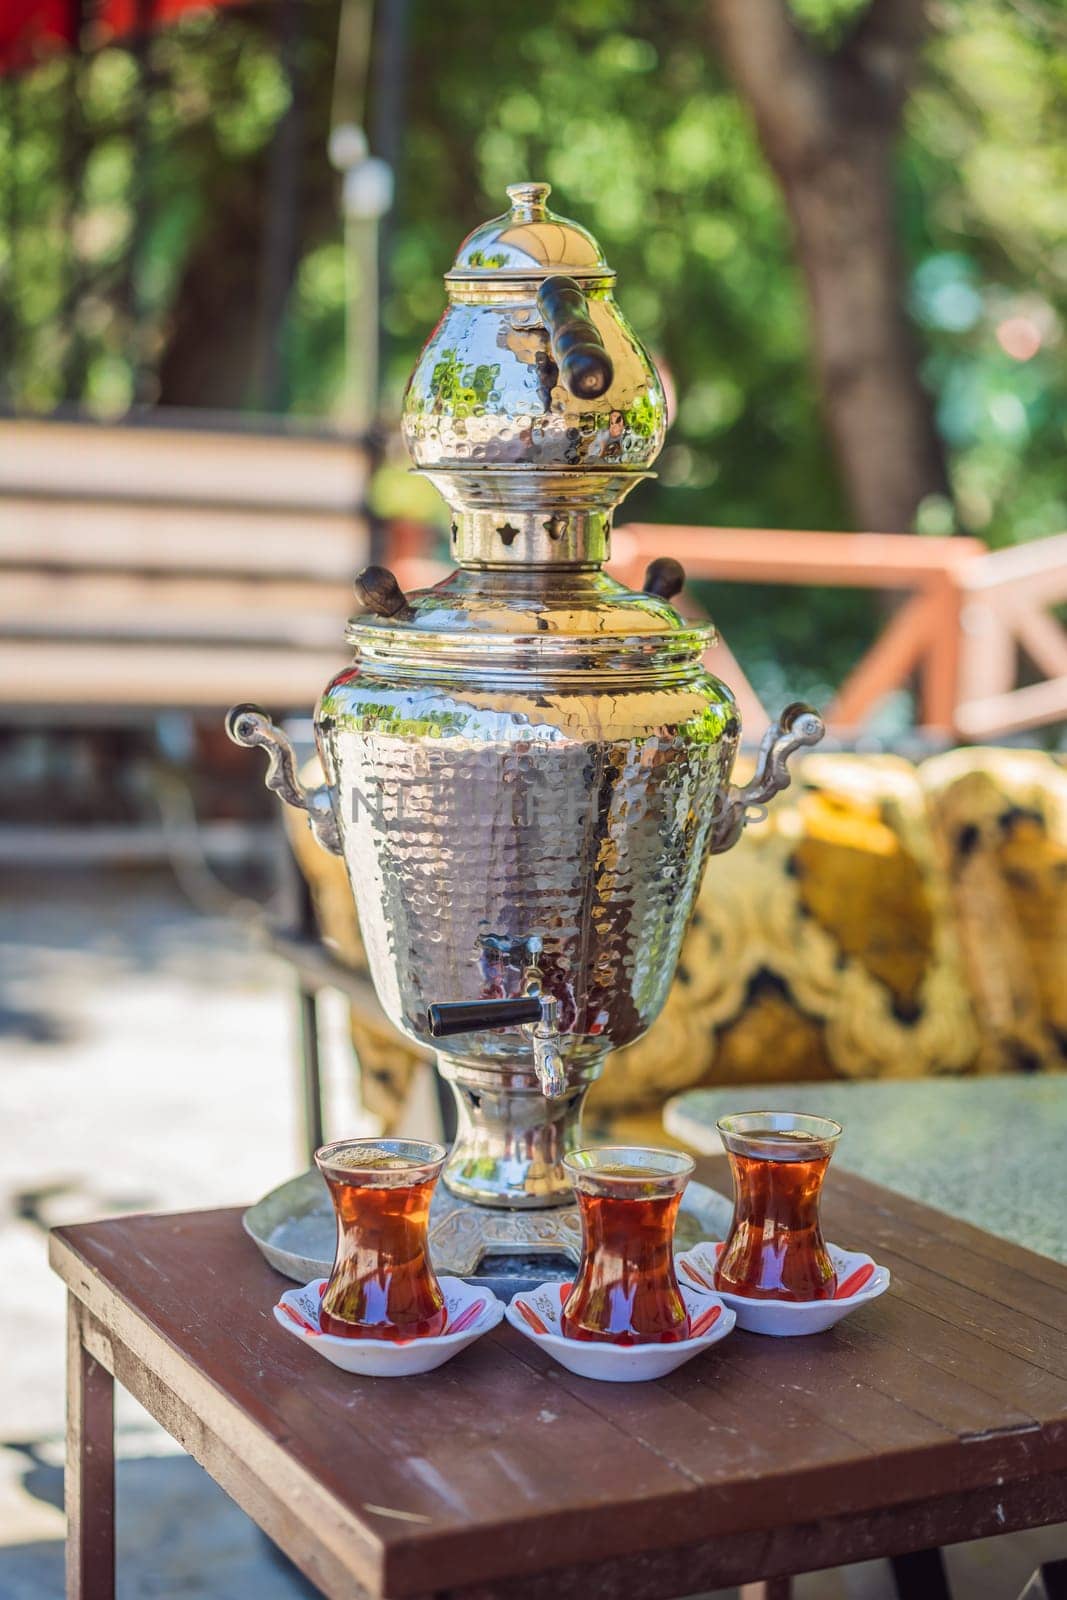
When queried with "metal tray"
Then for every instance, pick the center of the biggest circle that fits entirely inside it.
(294, 1227)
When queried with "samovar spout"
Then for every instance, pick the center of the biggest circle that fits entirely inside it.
(548, 1063)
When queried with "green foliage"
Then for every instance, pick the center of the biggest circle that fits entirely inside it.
(985, 181)
(462, 391)
(106, 194)
(827, 21)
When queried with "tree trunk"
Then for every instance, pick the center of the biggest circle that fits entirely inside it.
(866, 356)
(223, 346)
(213, 337)
(828, 125)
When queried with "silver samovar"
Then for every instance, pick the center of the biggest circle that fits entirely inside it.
(528, 764)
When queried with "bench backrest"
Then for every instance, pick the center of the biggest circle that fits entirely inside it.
(172, 565)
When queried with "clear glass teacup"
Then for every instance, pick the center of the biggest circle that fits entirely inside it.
(383, 1285)
(626, 1291)
(775, 1248)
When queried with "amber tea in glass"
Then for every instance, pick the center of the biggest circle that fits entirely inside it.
(626, 1291)
(382, 1285)
(775, 1248)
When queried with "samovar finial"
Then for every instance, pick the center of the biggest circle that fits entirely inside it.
(528, 201)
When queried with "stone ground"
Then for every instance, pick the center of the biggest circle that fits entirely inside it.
(147, 1062)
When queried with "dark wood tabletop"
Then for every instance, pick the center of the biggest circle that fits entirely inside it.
(934, 1414)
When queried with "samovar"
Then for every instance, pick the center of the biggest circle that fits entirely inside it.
(528, 764)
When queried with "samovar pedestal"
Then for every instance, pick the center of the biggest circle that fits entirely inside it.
(510, 1137)
(504, 1212)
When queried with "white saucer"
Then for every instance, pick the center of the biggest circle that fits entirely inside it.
(858, 1275)
(536, 1315)
(471, 1312)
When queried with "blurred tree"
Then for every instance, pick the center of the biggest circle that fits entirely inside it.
(828, 121)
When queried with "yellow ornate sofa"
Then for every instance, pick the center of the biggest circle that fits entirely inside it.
(885, 921)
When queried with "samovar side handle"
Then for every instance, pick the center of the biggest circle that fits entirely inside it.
(797, 726)
(252, 727)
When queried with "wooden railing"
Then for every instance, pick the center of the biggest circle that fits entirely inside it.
(173, 565)
(1005, 616)
(967, 617)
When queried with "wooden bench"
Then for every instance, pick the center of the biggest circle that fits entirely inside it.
(167, 565)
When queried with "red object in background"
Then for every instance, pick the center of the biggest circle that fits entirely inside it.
(125, 16)
(32, 29)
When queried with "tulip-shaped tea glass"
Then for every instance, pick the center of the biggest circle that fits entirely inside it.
(382, 1285)
(626, 1291)
(775, 1248)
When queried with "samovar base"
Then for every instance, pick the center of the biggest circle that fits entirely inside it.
(510, 1137)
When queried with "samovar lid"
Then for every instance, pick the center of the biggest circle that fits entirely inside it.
(580, 618)
(529, 241)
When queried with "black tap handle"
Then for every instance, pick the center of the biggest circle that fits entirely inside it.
(577, 348)
(665, 577)
(475, 1016)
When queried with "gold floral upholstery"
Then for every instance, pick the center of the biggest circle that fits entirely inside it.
(884, 921)
(1000, 817)
(822, 946)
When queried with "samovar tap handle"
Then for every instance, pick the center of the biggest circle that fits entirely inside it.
(252, 727)
(797, 726)
(449, 1017)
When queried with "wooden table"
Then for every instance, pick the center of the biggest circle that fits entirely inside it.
(936, 1414)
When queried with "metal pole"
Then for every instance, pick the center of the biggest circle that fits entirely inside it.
(132, 304)
(75, 153)
(308, 1019)
(366, 196)
(283, 215)
(387, 131)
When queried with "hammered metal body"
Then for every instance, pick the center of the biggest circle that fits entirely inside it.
(515, 819)
(489, 802)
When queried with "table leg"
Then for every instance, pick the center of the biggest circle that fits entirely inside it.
(312, 1074)
(921, 1575)
(89, 1484)
(1048, 1583)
